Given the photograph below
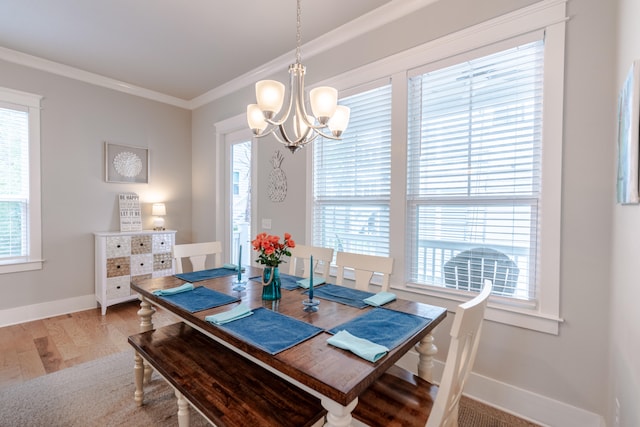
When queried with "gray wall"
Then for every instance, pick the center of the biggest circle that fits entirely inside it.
(625, 288)
(76, 119)
(572, 366)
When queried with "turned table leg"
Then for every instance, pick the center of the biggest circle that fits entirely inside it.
(338, 415)
(183, 410)
(146, 324)
(426, 350)
(138, 372)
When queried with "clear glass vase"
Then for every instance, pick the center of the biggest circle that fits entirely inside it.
(271, 284)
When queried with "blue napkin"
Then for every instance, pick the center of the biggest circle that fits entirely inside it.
(359, 346)
(317, 280)
(185, 287)
(238, 312)
(232, 267)
(381, 298)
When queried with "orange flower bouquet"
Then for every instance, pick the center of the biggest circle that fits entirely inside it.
(271, 250)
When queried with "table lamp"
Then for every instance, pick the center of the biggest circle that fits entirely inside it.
(158, 210)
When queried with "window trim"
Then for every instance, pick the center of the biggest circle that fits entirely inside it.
(550, 17)
(34, 260)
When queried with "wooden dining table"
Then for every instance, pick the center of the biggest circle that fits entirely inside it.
(334, 375)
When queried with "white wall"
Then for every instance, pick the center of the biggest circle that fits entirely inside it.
(566, 371)
(76, 120)
(625, 286)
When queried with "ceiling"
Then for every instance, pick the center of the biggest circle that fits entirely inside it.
(182, 49)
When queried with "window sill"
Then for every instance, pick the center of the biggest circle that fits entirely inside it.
(520, 316)
(19, 266)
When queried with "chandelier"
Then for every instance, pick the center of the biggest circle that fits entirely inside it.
(303, 128)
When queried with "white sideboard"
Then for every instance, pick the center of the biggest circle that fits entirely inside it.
(125, 256)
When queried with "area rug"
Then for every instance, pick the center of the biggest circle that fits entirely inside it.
(100, 393)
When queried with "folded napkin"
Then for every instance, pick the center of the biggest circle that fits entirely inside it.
(172, 291)
(364, 348)
(238, 312)
(381, 298)
(304, 283)
(232, 267)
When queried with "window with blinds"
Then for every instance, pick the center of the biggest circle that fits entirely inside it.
(14, 182)
(473, 172)
(352, 178)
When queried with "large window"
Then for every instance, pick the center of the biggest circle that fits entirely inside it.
(352, 178)
(473, 181)
(19, 181)
(474, 152)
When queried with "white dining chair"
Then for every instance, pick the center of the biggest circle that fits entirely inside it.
(401, 398)
(197, 253)
(364, 266)
(301, 256)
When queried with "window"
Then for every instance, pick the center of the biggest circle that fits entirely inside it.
(475, 134)
(352, 178)
(475, 143)
(19, 181)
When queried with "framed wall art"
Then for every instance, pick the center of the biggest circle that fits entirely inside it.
(628, 145)
(126, 163)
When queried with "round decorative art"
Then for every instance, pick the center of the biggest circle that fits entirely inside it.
(127, 164)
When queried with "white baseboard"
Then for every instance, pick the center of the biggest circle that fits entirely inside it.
(27, 313)
(516, 401)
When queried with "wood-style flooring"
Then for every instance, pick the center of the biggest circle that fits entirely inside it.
(31, 349)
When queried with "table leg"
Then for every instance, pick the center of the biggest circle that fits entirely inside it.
(183, 410)
(138, 374)
(338, 415)
(426, 350)
(145, 314)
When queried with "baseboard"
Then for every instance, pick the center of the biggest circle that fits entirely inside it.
(27, 313)
(516, 401)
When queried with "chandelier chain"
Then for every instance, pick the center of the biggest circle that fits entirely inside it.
(298, 35)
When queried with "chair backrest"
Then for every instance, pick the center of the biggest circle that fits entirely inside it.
(364, 266)
(197, 255)
(469, 269)
(301, 254)
(465, 337)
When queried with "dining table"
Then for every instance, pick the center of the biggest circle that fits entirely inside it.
(335, 375)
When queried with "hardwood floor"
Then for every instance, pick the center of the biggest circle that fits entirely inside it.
(31, 349)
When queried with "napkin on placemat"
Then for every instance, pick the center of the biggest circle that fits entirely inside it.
(232, 267)
(384, 326)
(381, 298)
(185, 287)
(317, 280)
(359, 346)
(238, 312)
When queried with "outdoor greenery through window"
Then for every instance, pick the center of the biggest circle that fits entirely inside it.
(352, 179)
(19, 181)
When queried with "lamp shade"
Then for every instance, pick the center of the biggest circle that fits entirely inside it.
(270, 96)
(324, 101)
(158, 209)
(340, 119)
(255, 119)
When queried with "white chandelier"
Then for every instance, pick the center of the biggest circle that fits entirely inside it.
(327, 114)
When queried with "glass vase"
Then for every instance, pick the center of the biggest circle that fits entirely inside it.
(271, 284)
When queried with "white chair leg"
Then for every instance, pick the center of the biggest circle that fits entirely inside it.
(138, 373)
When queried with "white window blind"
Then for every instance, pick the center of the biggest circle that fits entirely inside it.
(473, 190)
(352, 178)
(14, 182)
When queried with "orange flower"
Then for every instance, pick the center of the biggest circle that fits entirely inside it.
(271, 249)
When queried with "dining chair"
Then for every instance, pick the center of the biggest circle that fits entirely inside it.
(197, 253)
(469, 269)
(301, 257)
(364, 266)
(401, 398)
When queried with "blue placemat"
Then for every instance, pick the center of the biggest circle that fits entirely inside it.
(200, 298)
(197, 276)
(383, 326)
(289, 282)
(342, 294)
(271, 331)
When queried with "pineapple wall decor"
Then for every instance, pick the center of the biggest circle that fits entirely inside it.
(277, 179)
